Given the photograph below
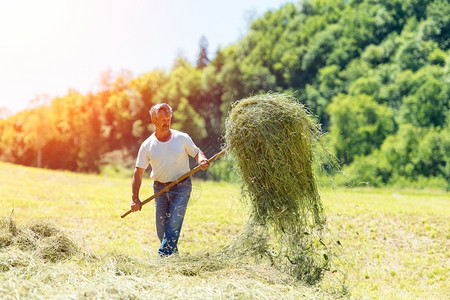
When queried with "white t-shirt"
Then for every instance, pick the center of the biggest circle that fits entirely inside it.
(169, 160)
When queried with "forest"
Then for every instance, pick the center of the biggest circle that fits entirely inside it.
(375, 73)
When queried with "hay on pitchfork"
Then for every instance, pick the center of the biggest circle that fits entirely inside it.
(272, 138)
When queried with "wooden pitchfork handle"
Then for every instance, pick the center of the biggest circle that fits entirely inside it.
(183, 177)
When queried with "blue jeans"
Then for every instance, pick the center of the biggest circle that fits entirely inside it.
(170, 208)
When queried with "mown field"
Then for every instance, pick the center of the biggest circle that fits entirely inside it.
(394, 244)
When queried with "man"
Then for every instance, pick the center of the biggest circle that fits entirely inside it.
(167, 151)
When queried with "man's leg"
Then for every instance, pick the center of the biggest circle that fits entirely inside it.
(161, 211)
(177, 209)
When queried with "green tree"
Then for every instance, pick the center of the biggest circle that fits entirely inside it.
(319, 49)
(413, 53)
(374, 55)
(428, 103)
(431, 157)
(359, 125)
(365, 85)
(437, 26)
(203, 59)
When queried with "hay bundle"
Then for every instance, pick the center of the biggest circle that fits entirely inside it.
(271, 137)
(56, 248)
(41, 238)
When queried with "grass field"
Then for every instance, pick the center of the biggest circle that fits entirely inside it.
(394, 244)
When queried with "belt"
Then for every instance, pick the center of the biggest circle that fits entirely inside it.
(164, 183)
(170, 182)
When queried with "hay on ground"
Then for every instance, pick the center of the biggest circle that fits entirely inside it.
(43, 239)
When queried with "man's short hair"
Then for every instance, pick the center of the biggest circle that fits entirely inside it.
(154, 111)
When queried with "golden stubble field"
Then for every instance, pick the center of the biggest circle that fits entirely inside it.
(393, 244)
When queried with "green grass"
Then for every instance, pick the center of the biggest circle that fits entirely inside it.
(395, 243)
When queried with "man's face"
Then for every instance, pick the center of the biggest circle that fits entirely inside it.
(162, 121)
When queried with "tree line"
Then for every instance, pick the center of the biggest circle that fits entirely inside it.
(376, 74)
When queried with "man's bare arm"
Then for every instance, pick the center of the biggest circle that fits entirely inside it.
(135, 187)
(202, 161)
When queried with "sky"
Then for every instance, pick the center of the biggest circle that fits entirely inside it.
(50, 46)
